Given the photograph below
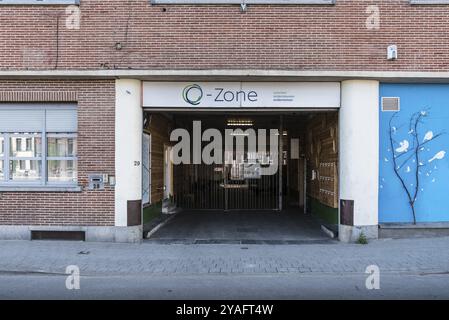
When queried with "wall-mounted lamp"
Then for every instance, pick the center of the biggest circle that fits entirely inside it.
(118, 46)
(243, 7)
(392, 52)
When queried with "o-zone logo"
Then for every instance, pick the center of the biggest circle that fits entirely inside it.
(193, 94)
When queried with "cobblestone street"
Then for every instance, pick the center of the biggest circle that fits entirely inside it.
(409, 268)
(408, 255)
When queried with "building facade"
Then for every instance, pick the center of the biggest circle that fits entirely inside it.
(90, 91)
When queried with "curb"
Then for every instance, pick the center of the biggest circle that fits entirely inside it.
(160, 225)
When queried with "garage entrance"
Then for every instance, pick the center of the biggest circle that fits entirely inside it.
(235, 199)
(240, 158)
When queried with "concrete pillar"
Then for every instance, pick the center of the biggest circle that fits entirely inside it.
(128, 148)
(359, 156)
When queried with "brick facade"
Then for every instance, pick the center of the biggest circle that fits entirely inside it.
(96, 118)
(299, 37)
(285, 37)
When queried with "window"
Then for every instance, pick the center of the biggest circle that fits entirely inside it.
(38, 145)
(66, 2)
(429, 1)
(241, 1)
(61, 158)
(2, 157)
(25, 165)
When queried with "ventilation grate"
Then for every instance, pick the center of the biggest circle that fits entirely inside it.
(58, 235)
(390, 104)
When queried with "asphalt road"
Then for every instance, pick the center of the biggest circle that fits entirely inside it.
(288, 286)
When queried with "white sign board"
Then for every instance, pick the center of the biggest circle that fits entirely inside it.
(316, 95)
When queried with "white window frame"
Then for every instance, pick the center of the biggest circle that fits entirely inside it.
(287, 2)
(58, 158)
(43, 183)
(429, 2)
(2, 158)
(8, 157)
(40, 2)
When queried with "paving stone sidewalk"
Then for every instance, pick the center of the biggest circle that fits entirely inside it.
(405, 255)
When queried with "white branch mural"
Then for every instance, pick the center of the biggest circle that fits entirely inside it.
(410, 157)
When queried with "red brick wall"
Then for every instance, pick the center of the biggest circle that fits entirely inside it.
(301, 37)
(96, 101)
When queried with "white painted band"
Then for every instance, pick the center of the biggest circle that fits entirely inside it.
(217, 74)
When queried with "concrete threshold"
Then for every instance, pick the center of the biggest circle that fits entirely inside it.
(239, 241)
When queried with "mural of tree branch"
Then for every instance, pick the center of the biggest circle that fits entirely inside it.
(408, 157)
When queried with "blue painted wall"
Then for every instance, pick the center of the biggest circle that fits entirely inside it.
(432, 204)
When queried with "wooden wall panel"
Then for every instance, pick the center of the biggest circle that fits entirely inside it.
(322, 155)
(159, 128)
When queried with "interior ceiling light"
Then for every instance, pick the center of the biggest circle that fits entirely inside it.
(239, 123)
(284, 133)
(239, 134)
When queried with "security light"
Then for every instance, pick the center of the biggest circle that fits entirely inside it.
(392, 52)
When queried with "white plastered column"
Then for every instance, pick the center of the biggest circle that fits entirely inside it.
(128, 146)
(359, 155)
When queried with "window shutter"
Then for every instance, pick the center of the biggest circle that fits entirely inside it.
(62, 120)
(21, 120)
(30, 118)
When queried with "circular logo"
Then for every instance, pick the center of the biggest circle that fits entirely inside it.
(192, 94)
